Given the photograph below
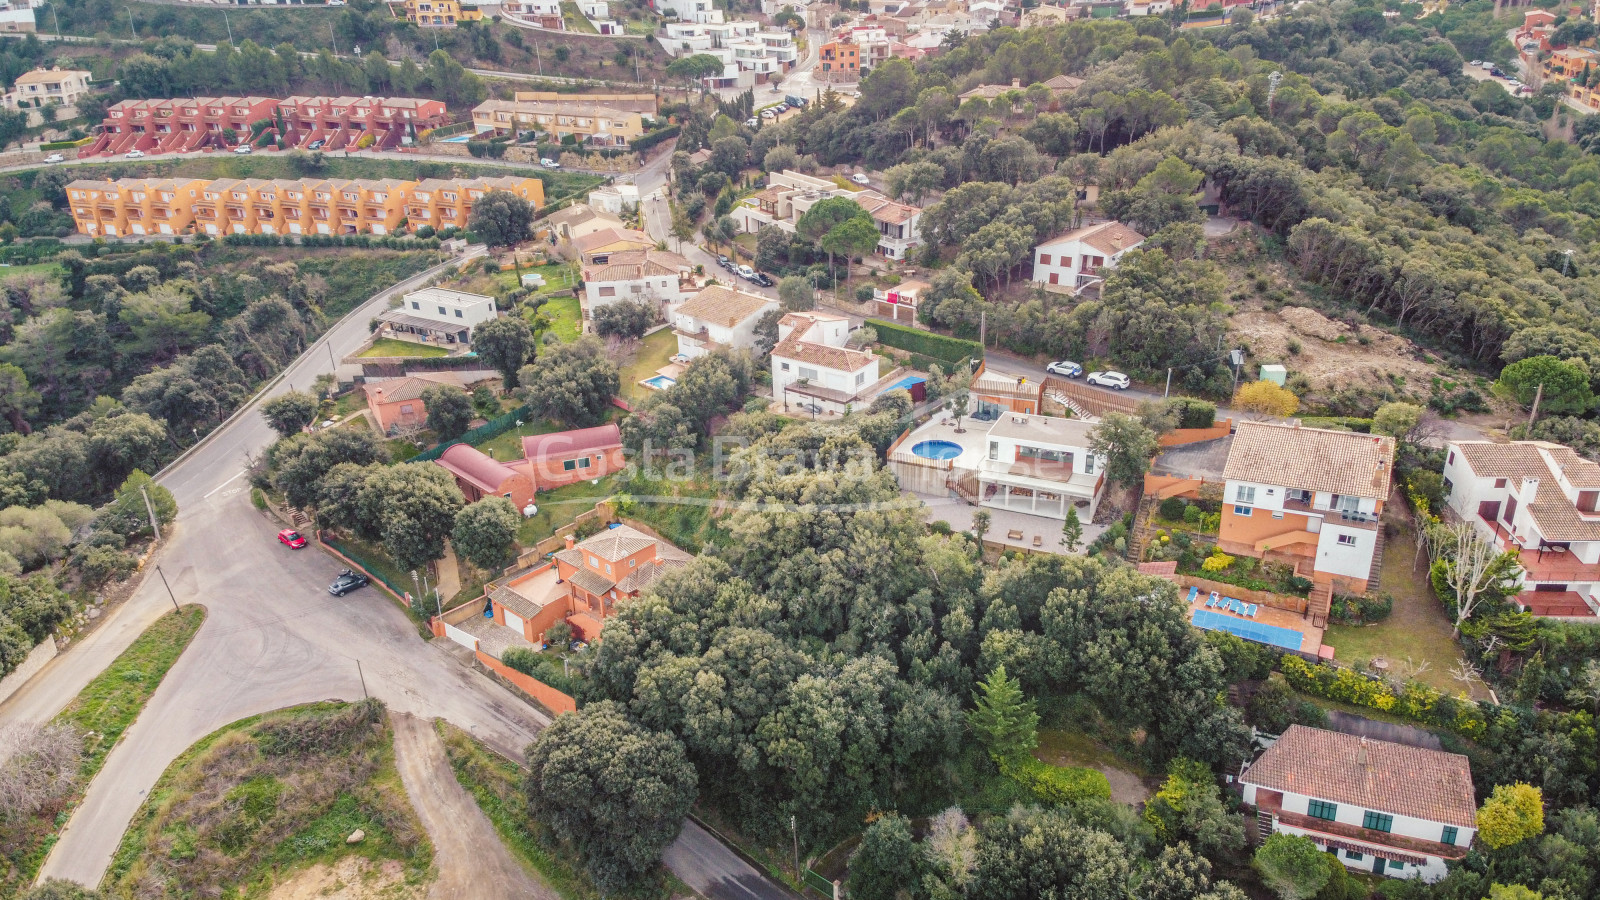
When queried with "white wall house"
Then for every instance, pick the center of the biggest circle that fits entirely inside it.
(449, 307)
(1308, 493)
(615, 198)
(1384, 808)
(1071, 262)
(655, 277)
(1041, 465)
(813, 370)
(718, 317)
(1543, 501)
(899, 224)
(790, 194)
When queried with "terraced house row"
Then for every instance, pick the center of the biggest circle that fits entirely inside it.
(309, 123)
(154, 206)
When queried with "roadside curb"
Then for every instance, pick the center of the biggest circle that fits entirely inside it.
(751, 861)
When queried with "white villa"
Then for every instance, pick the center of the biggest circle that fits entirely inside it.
(718, 317)
(789, 195)
(440, 313)
(813, 370)
(1072, 261)
(649, 276)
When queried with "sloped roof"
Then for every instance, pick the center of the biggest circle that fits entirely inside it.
(841, 358)
(608, 236)
(718, 305)
(1107, 237)
(1514, 461)
(1313, 459)
(562, 444)
(478, 468)
(1377, 775)
(618, 543)
(411, 386)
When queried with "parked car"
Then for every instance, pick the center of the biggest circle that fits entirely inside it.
(134, 154)
(291, 539)
(549, 163)
(1476, 63)
(723, 261)
(315, 145)
(745, 272)
(752, 122)
(242, 148)
(767, 114)
(347, 582)
(1064, 368)
(1115, 380)
(763, 279)
(859, 178)
(782, 108)
(55, 158)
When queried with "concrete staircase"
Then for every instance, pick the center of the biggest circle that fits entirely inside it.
(1142, 529)
(1077, 410)
(1263, 825)
(1376, 571)
(1319, 603)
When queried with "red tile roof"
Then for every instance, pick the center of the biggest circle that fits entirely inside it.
(468, 462)
(568, 443)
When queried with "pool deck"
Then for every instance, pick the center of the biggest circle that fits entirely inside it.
(1310, 635)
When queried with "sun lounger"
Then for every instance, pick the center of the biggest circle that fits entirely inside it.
(1038, 540)
(1014, 535)
(1214, 599)
(1234, 605)
(1250, 610)
(1193, 593)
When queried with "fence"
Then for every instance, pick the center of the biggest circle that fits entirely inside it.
(461, 637)
(543, 694)
(487, 431)
(366, 567)
(820, 884)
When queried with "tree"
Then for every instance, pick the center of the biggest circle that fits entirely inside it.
(501, 219)
(1266, 398)
(1003, 719)
(299, 463)
(856, 236)
(571, 383)
(618, 791)
(980, 524)
(1467, 564)
(1071, 530)
(41, 766)
(415, 506)
(485, 533)
(886, 865)
(61, 889)
(1178, 874)
(625, 319)
(693, 69)
(913, 181)
(1126, 445)
(1512, 814)
(795, 294)
(1032, 854)
(1292, 866)
(506, 343)
(449, 410)
(1189, 807)
(1565, 383)
(17, 400)
(1513, 892)
(1398, 420)
(127, 514)
(290, 413)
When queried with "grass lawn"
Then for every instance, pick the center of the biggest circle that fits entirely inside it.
(566, 317)
(557, 277)
(846, 183)
(575, 19)
(258, 800)
(509, 445)
(655, 351)
(49, 270)
(101, 713)
(559, 507)
(1417, 629)
(350, 402)
(496, 784)
(401, 449)
(392, 347)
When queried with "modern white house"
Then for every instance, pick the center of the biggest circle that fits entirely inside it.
(615, 198)
(1543, 501)
(1381, 807)
(1071, 262)
(1308, 495)
(437, 312)
(814, 370)
(650, 276)
(718, 317)
(898, 224)
(790, 194)
(1040, 465)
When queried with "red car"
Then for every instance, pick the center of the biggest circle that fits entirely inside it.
(292, 538)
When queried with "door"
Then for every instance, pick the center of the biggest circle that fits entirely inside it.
(515, 623)
(1377, 865)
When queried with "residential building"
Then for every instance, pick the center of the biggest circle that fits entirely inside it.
(1570, 62)
(839, 60)
(1379, 807)
(1071, 262)
(439, 13)
(16, 17)
(644, 104)
(356, 123)
(446, 203)
(567, 457)
(396, 403)
(615, 199)
(899, 303)
(614, 566)
(47, 87)
(440, 314)
(1535, 18)
(785, 199)
(1041, 465)
(134, 206)
(718, 317)
(538, 13)
(649, 276)
(479, 475)
(578, 220)
(814, 370)
(1045, 15)
(1309, 496)
(596, 249)
(994, 393)
(1542, 501)
(898, 223)
(590, 122)
(331, 123)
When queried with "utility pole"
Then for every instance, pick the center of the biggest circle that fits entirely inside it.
(795, 832)
(131, 32)
(1168, 391)
(983, 328)
(335, 39)
(57, 17)
(169, 589)
(229, 27)
(150, 508)
(362, 675)
(1537, 396)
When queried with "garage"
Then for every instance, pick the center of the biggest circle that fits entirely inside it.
(514, 622)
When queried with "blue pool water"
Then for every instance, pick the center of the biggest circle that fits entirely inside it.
(1260, 632)
(457, 139)
(660, 382)
(939, 450)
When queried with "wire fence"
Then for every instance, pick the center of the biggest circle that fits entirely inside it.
(817, 883)
(485, 432)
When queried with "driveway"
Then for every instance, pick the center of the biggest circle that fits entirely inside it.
(467, 851)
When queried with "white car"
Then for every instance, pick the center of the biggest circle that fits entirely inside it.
(242, 148)
(134, 154)
(1477, 63)
(1065, 368)
(55, 158)
(752, 122)
(747, 273)
(768, 114)
(859, 178)
(1115, 380)
(549, 164)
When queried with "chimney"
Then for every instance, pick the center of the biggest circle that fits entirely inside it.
(1529, 491)
(1016, 82)
(1361, 754)
(572, 541)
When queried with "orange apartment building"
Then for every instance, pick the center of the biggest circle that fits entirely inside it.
(194, 123)
(840, 61)
(137, 206)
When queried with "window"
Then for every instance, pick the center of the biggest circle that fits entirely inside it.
(1347, 540)
(994, 449)
(608, 568)
(1351, 854)
(860, 378)
(1377, 821)
(458, 313)
(808, 374)
(1245, 493)
(1451, 459)
(1448, 487)
(441, 311)
(1499, 482)
(1088, 464)
(1242, 511)
(608, 292)
(1044, 259)
(785, 366)
(1449, 835)
(415, 305)
(1396, 864)
(1322, 809)
(632, 563)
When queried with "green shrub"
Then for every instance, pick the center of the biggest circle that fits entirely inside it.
(1351, 423)
(1193, 515)
(1194, 413)
(1058, 785)
(1173, 509)
(947, 350)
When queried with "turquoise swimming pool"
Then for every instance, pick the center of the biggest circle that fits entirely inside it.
(937, 449)
(660, 382)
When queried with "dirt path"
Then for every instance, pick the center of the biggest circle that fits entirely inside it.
(471, 860)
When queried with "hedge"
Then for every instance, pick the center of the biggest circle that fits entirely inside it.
(1058, 784)
(65, 145)
(1354, 423)
(947, 350)
(1414, 700)
(646, 141)
(1194, 413)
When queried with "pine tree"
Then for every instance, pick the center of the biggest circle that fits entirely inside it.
(1004, 720)
(1071, 530)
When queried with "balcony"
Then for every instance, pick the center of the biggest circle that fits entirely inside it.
(1321, 829)
(1349, 518)
(1556, 564)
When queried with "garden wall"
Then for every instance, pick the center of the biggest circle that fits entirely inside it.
(1264, 598)
(542, 693)
(1179, 436)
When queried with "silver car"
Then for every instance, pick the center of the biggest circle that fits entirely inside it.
(1114, 380)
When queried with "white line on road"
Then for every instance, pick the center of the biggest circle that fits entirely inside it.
(222, 485)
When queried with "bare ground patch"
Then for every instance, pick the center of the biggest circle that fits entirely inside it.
(350, 878)
(1332, 354)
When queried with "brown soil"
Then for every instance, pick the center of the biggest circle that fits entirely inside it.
(351, 878)
(1331, 354)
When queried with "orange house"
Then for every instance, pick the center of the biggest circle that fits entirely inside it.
(397, 403)
(554, 460)
(479, 475)
(841, 59)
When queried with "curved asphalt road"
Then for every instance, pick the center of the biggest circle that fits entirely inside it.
(275, 638)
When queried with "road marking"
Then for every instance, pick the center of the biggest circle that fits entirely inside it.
(222, 485)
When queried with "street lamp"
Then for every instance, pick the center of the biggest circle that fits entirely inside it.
(229, 27)
(131, 33)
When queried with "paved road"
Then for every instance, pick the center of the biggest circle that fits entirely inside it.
(467, 851)
(703, 863)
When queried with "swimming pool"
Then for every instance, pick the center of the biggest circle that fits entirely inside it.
(1260, 632)
(937, 449)
(659, 382)
(457, 139)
